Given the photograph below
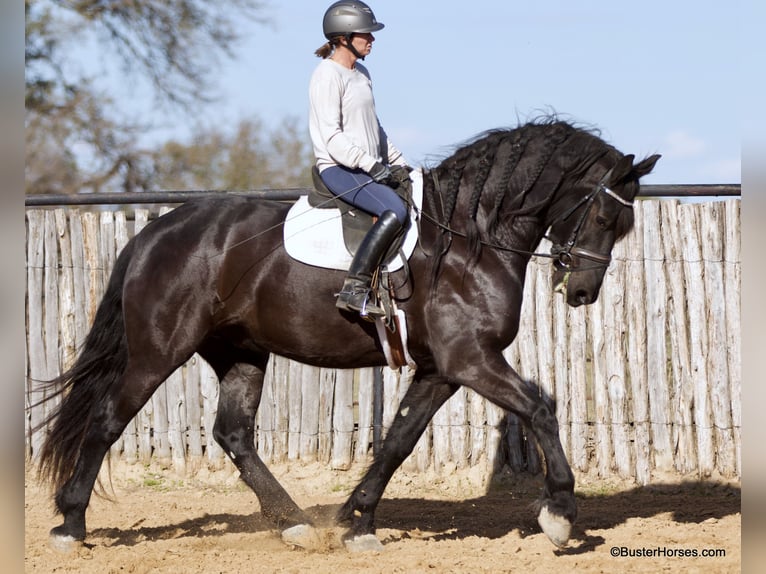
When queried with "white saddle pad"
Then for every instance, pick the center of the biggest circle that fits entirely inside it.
(315, 236)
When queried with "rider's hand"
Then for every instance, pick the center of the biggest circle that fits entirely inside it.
(380, 173)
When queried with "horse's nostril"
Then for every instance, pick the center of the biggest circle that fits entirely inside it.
(582, 296)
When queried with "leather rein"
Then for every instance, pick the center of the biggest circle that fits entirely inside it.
(562, 255)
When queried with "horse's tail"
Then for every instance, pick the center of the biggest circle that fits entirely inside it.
(89, 383)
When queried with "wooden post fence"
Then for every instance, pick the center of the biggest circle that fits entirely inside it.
(645, 381)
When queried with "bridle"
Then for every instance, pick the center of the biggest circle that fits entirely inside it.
(563, 254)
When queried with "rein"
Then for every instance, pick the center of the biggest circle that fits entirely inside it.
(561, 254)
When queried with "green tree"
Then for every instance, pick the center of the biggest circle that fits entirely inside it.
(249, 158)
(76, 138)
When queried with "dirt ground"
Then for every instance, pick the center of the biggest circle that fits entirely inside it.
(427, 523)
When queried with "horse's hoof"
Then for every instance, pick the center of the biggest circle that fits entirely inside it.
(302, 536)
(556, 528)
(364, 543)
(64, 543)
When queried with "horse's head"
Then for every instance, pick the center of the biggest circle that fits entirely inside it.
(583, 235)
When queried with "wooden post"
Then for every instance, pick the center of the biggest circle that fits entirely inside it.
(365, 399)
(67, 307)
(37, 365)
(459, 446)
(81, 322)
(495, 418)
(209, 391)
(294, 407)
(579, 390)
(613, 301)
(656, 337)
(712, 236)
(343, 420)
(603, 421)
(265, 417)
(681, 407)
(194, 413)
(635, 317)
(477, 425)
(51, 295)
(326, 385)
(441, 436)
(309, 442)
(176, 413)
(93, 275)
(51, 302)
(561, 372)
(733, 280)
(280, 387)
(698, 315)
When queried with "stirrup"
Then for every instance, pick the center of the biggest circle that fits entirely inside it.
(357, 298)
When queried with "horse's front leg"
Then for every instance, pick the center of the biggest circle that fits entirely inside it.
(494, 379)
(557, 506)
(234, 430)
(423, 398)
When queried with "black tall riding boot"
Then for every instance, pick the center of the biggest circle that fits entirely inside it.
(354, 295)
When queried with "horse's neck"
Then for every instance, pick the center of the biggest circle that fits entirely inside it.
(522, 232)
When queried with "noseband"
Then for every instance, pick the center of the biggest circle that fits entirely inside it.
(563, 254)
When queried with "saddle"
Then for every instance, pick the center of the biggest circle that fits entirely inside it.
(356, 223)
(392, 330)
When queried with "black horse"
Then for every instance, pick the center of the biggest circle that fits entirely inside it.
(213, 277)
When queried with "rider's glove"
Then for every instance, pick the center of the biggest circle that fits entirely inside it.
(380, 173)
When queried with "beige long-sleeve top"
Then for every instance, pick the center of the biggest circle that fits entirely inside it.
(343, 124)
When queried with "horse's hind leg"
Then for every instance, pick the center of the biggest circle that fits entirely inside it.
(234, 430)
(107, 421)
(424, 397)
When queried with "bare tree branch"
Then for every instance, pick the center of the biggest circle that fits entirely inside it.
(75, 140)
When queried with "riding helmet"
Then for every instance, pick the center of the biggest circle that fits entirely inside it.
(349, 17)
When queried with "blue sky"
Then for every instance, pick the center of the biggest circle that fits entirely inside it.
(653, 76)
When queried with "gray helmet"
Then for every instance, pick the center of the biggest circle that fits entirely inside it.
(349, 17)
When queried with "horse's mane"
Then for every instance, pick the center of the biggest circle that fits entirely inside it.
(536, 155)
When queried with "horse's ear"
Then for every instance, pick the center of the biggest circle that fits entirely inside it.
(621, 169)
(645, 166)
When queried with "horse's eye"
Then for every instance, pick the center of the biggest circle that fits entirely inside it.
(600, 221)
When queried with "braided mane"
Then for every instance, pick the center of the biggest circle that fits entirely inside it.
(512, 173)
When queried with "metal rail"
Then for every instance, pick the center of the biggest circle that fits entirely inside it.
(291, 194)
(692, 190)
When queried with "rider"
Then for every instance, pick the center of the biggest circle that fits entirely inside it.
(353, 154)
